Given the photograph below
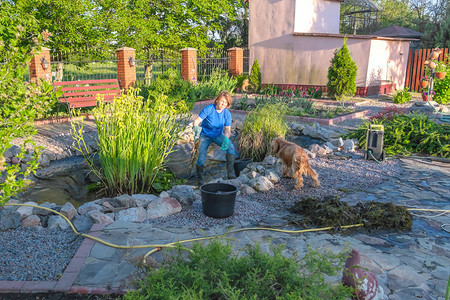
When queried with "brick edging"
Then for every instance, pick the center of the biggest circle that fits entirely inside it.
(70, 273)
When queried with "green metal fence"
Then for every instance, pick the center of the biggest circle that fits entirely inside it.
(83, 65)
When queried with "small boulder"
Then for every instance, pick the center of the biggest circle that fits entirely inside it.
(69, 210)
(99, 217)
(9, 220)
(31, 221)
(88, 207)
(261, 184)
(133, 214)
(163, 207)
(142, 200)
(57, 222)
(184, 194)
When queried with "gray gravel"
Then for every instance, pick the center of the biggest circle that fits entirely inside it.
(36, 254)
(336, 177)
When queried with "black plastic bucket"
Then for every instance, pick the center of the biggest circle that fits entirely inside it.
(218, 199)
(240, 165)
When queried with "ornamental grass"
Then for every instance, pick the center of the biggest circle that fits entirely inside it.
(134, 139)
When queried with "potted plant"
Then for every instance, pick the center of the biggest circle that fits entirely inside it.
(427, 95)
(424, 82)
(441, 69)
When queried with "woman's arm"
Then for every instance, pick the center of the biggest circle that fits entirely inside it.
(227, 131)
(197, 121)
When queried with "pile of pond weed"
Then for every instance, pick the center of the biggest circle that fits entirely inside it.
(330, 211)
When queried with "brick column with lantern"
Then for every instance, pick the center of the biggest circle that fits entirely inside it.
(126, 67)
(235, 61)
(40, 66)
(189, 64)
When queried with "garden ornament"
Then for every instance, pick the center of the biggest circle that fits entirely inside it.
(433, 56)
(363, 282)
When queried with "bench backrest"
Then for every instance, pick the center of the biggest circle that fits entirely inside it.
(83, 93)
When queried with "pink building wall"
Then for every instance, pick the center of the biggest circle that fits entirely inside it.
(326, 16)
(303, 58)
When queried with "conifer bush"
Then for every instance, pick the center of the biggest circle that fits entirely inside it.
(342, 74)
(255, 76)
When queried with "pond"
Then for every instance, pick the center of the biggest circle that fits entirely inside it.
(65, 180)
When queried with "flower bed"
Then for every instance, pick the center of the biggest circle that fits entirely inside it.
(324, 112)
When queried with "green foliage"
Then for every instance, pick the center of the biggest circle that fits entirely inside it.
(315, 93)
(255, 76)
(134, 139)
(342, 74)
(165, 180)
(20, 102)
(215, 271)
(407, 134)
(181, 95)
(442, 89)
(173, 87)
(106, 25)
(402, 96)
(260, 127)
(210, 88)
(440, 66)
(271, 90)
(294, 106)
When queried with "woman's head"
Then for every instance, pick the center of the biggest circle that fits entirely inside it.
(223, 95)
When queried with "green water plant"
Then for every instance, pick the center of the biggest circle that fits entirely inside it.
(405, 134)
(134, 140)
(402, 96)
(215, 271)
(260, 127)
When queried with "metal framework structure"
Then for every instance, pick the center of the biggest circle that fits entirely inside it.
(359, 16)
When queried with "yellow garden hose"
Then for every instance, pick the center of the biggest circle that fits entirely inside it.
(158, 247)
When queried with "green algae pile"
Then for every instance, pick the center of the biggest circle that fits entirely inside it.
(330, 211)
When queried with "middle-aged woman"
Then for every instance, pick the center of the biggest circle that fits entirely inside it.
(215, 127)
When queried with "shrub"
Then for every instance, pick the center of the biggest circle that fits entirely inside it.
(174, 87)
(407, 134)
(442, 89)
(20, 102)
(342, 74)
(240, 79)
(255, 76)
(402, 96)
(210, 88)
(260, 127)
(216, 271)
(134, 139)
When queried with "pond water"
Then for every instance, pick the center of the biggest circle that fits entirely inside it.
(63, 181)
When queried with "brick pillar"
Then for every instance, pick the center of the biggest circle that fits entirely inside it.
(235, 61)
(37, 64)
(126, 70)
(189, 64)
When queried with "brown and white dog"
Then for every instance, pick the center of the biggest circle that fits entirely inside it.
(295, 161)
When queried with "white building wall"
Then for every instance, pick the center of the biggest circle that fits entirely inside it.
(318, 16)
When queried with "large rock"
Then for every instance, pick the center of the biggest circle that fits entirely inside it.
(9, 220)
(142, 200)
(184, 194)
(44, 212)
(125, 201)
(82, 223)
(178, 161)
(68, 210)
(26, 211)
(134, 214)
(163, 207)
(99, 217)
(88, 207)
(31, 221)
(261, 184)
(57, 222)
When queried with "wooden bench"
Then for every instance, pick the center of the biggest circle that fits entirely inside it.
(83, 93)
